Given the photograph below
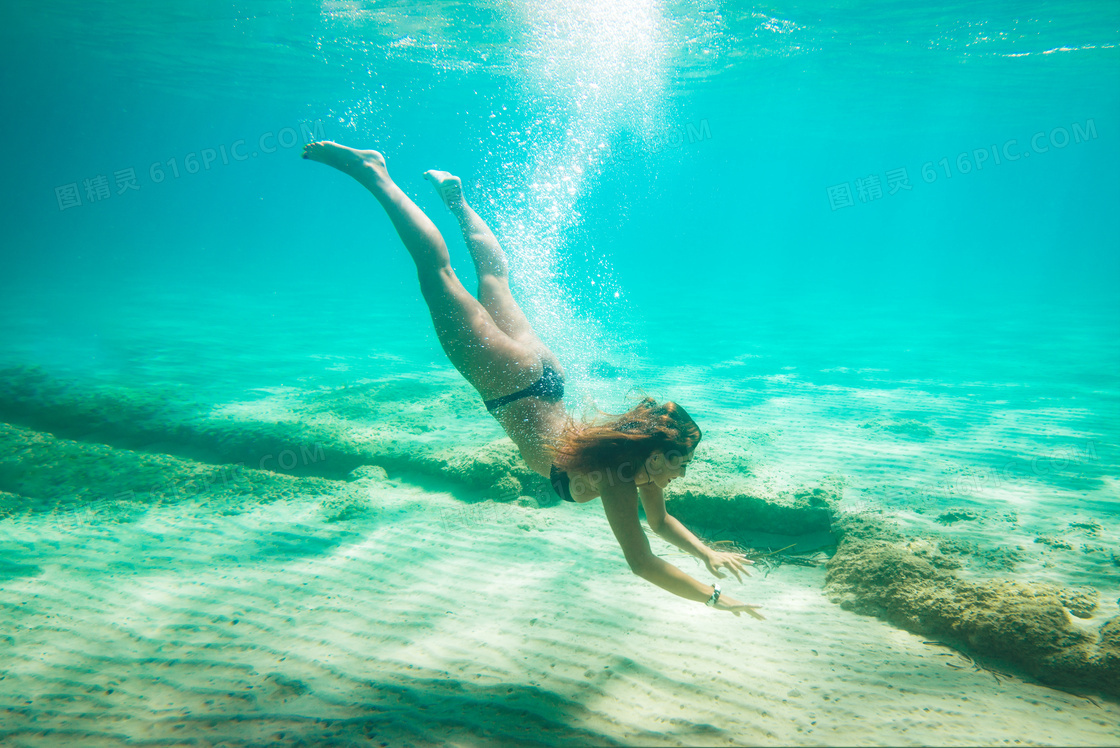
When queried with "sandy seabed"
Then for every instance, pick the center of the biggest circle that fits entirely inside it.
(427, 623)
(422, 619)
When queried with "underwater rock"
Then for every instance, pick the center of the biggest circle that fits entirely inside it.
(1054, 542)
(368, 472)
(909, 427)
(29, 396)
(724, 456)
(507, 488)
(498, 469)
(41, 473)
(957, 546)
(316, 448)
(1022, 623)
(287, 687)
(793, 513)
(484, 466)
(310, 439)
(903, 427)
(945, 562)
(344, 506)
(1081, 601)
(159, 422)
(957, 515)
(355, 401)
(1001, 557)
(864, 527)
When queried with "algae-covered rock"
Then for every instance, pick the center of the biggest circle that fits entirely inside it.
(794, 513)
(29, 394)
(1110, 637)
(1016, 620)
(164, 421)
(368, 472)
(1081, 601)
(904, 427)
(497, 468)
(878, 577)
(507, 488)
(909, 427)
(312, 441)
(41, 473)
(1024, 623)
(956, 547)
(345, 506)
(957, 515)
(1053, 542)
(484, 466)
(1002, 558)
(864, 527)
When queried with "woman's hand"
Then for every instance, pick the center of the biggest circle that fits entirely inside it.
(735, 562)
(731, 605)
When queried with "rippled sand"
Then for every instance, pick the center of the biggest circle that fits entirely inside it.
(279, 612)
(429, 623)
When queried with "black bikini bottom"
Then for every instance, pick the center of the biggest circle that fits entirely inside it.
(549, 387)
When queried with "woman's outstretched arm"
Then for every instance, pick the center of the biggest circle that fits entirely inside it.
(670, 529)
(666, 526)
(620, 502)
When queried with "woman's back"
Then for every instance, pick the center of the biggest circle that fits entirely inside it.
(534, 424)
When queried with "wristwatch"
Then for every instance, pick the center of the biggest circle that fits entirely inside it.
(715, 596)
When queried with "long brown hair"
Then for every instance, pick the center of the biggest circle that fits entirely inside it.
(629, 438)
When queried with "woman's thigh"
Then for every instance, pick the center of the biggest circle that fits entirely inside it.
(495, 296)
(490, 360)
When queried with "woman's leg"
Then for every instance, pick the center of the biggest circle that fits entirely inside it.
(491, 266)
(491, 361)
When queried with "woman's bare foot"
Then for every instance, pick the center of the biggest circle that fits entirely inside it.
(450, 189)
(368, 167)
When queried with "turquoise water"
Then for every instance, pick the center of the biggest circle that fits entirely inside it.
(871, 248)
